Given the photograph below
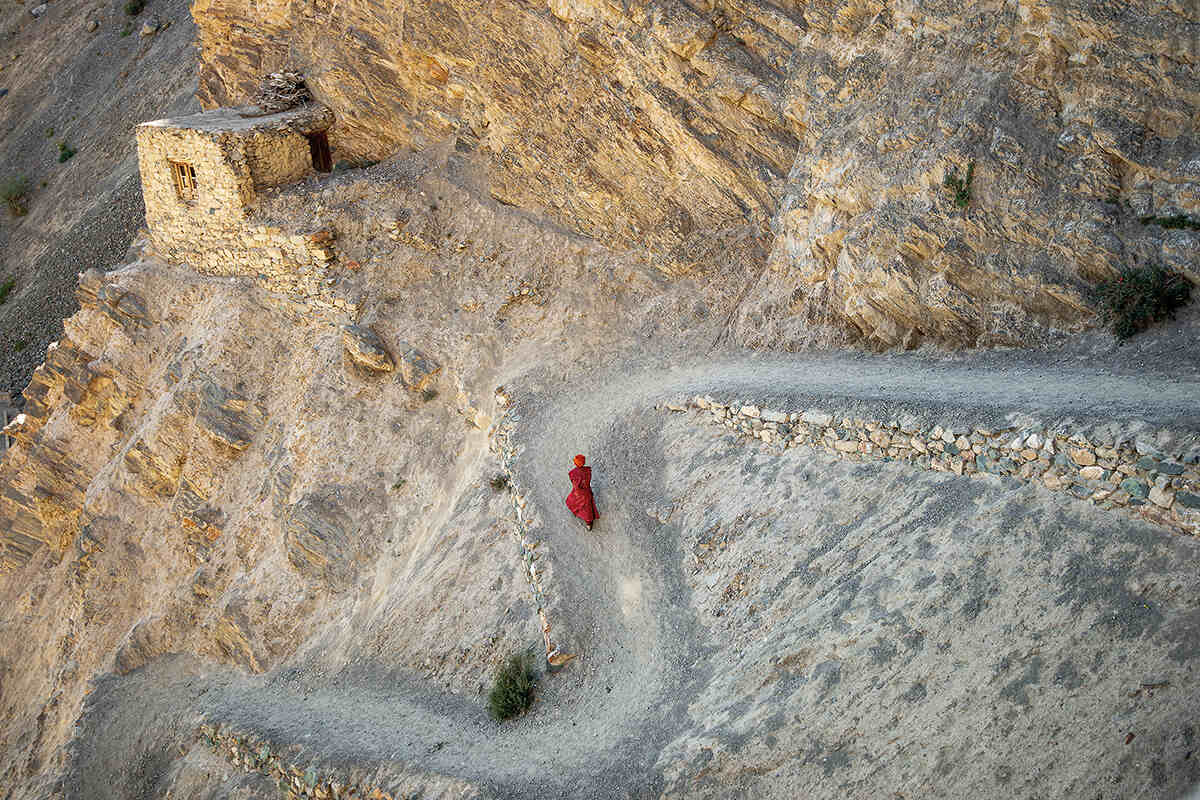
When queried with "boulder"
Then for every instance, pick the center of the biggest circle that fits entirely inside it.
(228, 417)
(318, 540)
(417, 370)
(365, 349)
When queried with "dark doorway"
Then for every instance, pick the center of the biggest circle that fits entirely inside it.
(318, 145)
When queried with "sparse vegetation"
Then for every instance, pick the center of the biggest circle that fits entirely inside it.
(65, 151)
(128, 29)
(1176, 221)
(49, 133)
(6, 289)
(961, 187)
(499, 482)
(13, 191)
(399, 484)
(1141, 296)
(513, 689)
(134, 7)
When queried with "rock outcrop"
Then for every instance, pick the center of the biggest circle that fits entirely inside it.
(365, 349)
(822, 132)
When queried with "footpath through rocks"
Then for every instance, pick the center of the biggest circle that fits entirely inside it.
(627, 717)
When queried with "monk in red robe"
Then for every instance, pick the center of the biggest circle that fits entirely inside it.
(580, 500)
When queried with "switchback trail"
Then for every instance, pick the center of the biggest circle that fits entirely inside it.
(624, 605)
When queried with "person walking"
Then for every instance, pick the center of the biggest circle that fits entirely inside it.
(581, 501)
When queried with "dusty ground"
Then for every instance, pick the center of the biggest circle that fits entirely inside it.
(88, 89)
(866, 629)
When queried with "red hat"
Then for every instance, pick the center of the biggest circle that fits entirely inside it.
(580, 461)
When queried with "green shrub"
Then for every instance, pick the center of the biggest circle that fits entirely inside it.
(65, 151)
(960, 186)
(499, 483)
(512, 691)
(1177, 221)
(134, 7)
(49, 133)
(19, 345)
(1141, 296)
(128, 29)
(12, 192)
(429, 394)
(6, 289)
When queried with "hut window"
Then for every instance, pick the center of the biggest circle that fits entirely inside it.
(184, 177)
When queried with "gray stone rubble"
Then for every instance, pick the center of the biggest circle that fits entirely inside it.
(1134, 476)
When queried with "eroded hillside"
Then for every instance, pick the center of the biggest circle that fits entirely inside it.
(203, 468)
(81, 74)
(825, 128)
(228, 511)
(289, 486)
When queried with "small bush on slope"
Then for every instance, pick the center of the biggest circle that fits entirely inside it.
(961, 188)
(1141, 296)
(512, 691)
(12, 192)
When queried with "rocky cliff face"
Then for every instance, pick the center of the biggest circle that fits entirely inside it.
(159, 502)
(204, 467)
(824, 131)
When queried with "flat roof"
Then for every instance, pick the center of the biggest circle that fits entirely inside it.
(306, 118)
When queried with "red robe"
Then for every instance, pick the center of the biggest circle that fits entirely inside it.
(580, 500)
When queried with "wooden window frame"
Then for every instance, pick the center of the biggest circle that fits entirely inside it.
(183, 175)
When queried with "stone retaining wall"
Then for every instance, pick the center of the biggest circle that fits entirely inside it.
(532, 550)
(1137, 477)
(296, 781)
(300, 266)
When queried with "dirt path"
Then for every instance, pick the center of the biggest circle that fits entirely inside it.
(600, 724)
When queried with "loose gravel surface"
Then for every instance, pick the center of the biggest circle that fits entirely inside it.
(623, 594)
(87, 89)
(100, 240)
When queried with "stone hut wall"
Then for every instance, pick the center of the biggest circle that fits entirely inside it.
(277, 158)
(224, 187)
(214, 233)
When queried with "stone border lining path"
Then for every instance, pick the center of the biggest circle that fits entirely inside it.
(1137, 478)
(621, 593)
(251, 753)
(533, 551)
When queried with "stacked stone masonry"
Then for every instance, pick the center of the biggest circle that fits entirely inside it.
(251, 753)
(233, 154)
(532, 550)
(1138, 479)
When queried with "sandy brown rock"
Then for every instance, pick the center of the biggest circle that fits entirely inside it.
(319, 541)
(663, 125)
(365, 349)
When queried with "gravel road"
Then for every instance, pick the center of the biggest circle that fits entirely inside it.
(622, 600)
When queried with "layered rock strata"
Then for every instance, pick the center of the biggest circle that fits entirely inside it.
(822, 134)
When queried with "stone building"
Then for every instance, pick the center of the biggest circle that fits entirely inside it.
(200, 177)
(200, 173)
